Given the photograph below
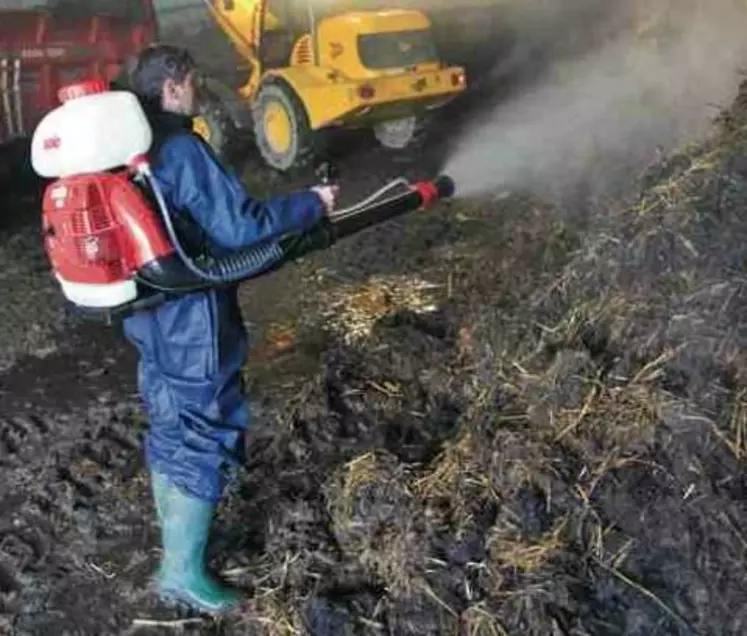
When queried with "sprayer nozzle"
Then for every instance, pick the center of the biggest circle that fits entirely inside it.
(442, 187)
(445, 186)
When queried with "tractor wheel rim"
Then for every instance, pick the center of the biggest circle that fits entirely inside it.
(400, 127)
(278, 127)
(396, 133)
(201, 128)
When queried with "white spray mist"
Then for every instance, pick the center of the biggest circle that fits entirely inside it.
(596, 116)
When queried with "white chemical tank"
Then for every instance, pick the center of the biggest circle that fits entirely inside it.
(93, 130)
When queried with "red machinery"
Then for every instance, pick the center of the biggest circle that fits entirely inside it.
(59, 42)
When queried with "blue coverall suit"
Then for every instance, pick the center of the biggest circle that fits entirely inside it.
(191, 354)
(192, 349)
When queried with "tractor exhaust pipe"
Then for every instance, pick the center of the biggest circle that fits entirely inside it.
(18, 97)
(5, 90)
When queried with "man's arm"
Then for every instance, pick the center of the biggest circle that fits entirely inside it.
(217, 200)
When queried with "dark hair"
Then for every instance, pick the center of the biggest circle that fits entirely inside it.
(156, 64)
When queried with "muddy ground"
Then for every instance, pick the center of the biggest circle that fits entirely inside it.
(494, 418)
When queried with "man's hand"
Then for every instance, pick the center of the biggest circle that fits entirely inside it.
(328, 194)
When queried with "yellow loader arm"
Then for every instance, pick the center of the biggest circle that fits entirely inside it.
(241, 21)
(244, 22)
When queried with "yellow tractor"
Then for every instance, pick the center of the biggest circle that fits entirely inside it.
(317, 65)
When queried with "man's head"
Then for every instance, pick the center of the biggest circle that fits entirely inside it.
(165, 77)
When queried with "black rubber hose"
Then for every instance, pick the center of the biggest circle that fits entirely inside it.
(368, 217)
(172, 276)
(224, 271)
(168, 278)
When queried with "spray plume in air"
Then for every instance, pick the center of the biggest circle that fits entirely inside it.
(610, 99)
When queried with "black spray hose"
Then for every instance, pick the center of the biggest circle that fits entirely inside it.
(416, 196)
(180, 274)
(224, 271)
(362, 216)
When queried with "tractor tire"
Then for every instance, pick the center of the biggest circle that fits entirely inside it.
(401, 134)
(214, 124)
(281, 128)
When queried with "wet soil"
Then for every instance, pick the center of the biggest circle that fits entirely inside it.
(487, 419)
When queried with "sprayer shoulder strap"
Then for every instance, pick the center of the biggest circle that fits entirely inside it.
(167, 126)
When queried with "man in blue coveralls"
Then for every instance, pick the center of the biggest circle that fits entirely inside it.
(192, 349)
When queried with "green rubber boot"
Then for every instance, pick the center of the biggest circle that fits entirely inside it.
(185, 527)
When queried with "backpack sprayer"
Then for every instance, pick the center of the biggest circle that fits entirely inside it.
(107, 230)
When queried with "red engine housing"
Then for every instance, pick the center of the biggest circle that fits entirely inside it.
(100, 229)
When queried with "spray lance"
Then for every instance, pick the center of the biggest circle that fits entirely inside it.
(109, 234)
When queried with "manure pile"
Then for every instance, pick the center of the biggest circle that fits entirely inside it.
(558, 448)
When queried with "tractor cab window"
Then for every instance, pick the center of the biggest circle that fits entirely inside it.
(397, 49)
(292, 21)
